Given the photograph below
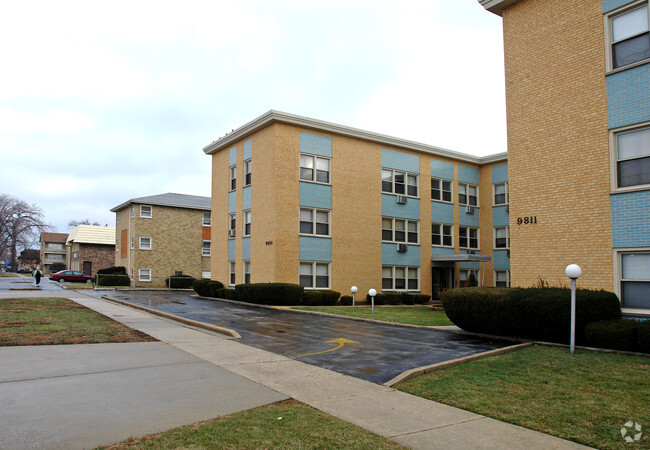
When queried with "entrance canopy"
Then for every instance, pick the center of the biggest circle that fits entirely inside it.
(460, 258)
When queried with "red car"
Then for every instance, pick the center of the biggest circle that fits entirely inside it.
(71, 276)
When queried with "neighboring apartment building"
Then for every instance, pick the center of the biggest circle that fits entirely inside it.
(331, 207)
(52, 249)
(163, 235)
(578, 99)
(90, 248)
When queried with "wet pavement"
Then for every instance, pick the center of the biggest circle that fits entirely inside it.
(369, 351)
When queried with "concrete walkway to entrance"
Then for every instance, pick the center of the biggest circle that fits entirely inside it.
(79, 396)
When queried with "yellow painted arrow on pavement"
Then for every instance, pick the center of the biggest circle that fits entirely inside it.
(340, 341)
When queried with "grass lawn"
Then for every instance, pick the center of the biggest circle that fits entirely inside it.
(8, 275)
(586, 397)
(413, 315)
(78, 286)
(287, 424)
(41, 321)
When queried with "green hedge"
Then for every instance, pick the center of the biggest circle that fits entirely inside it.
(534, 313)
(206, 288)
(644, 336)
(113, 276)
(277, 294)
(179, 282)
(619, 335)
(345, 300)
(320, 298)
(399, 298)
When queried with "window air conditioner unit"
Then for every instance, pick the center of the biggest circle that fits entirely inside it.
(401, 199)
(469, 209)
(402, 248)
(231, 233)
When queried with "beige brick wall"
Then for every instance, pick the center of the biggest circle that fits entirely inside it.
(558, 154)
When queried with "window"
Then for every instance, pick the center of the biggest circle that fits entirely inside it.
(630, 37)
(501, 237)
(131, 242)
(441, 190)
(233, 178)
(145, 211)
(467, 194)
(400, 183)
(442, 235)
(55, 246)
(205, 250)
(464, 277)
(232, 225)
(207, 218)
(247, 272)
(132, 212)
(399, 230)
(394, 278)
(502, 278)
(468, 238)
(117, 217)
(314, 168)
(500, 194)
(247, 223)
(205, 275)
(314, 222)
(247, 173)
(635, 280)
(314, 275)
(231, 273)
(145, 243)
(632, 157)
(144, 275)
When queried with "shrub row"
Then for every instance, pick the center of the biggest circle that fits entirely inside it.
(206, 288)
(619, 335)
(399, 298)
(320, 298)
(180, 281)
(276, 294)
(534, 313)
(113, 276)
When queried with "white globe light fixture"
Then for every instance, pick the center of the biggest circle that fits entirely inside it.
(354, 291)
(573, 271)
(372, 293)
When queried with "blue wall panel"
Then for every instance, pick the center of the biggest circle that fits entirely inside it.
(469, 220)
(246, 249)
(501, 260)
(400, 161)
(468, 174)
(628, 96)
(391, 257)
(442, 251)
(631, 219)
(232, 197)
(315, 195)
(390, 207)
(247, 198)
(232, 160)
(231, 249)
(472, 265)
(442, 169)
(315, 249)
(247, 149)
(442, 212)
(609, 5)
(500, 173)
(500, 218)
(315, 144)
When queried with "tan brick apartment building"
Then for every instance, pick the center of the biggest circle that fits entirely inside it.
(53, 249)
(163, 235)
(90, 248)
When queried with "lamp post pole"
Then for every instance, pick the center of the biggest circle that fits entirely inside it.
(573, 271)
(372, 293)
(354, 291)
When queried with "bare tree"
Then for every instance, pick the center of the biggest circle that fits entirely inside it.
(20, 225)
(75, 223)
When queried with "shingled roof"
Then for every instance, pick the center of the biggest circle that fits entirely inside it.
(170, 199)
(92, 234)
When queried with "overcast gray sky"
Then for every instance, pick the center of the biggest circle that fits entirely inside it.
(101, 102)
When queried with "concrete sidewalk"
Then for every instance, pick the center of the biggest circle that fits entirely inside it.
(53, 395)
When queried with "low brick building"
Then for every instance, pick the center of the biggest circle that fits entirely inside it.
(90, 248)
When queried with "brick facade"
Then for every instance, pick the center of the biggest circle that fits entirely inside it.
(99, 256)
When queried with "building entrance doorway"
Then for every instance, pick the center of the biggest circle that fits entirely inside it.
(88, 268)
(443, 278)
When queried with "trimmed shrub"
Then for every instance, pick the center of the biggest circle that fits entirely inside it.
(420, 299)
(643, 332)
(320, 298)
(391, 298)
(119, 270)
(206, 288)
(614, 334)
(542, 314)
(407, 299)
(113, 276)
(277, 294)
(380, 299)
(179, 282)
(345, 300)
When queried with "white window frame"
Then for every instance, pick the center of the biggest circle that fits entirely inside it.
(494, 194)
(442, 191)
(442, 234)
(142, 244)
(247, 271)
(207, 219)
(203, 248)
(393, 287)
(467, 187)
(613, 145)
(231, 273)
(232, 223)
(314, 222)
(507, 272)
(619, 280)
(393, 184)
(478, 238)
(143, 212)
(145, 275)
(247, 222)
(314, 275)
(407, 232)
(232, 183)
(132, 242)
(206, 275)
(494, 234)
(314, 164)
(609, 34)
(247, 172)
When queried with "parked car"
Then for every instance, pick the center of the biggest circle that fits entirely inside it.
(71, 276)
(22, 270)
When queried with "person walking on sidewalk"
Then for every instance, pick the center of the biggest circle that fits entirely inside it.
(37, 276)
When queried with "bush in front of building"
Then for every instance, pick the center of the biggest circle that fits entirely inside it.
(399, 298)
(532, 313)
(113, 276)
(206, 288)
(420, 299)
(644, 336)
(320, 298)
(345, 300)
(614, 334)
(179, 282)
(275, 294)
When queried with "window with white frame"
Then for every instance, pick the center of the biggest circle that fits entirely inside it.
(315, 222)
(207, 218)
(247, 223)
(397, 278)
(146, 211)
(132, 240)
(468, 238)
(442, 235)
(314, 168)
(233, 178)
(501, 237)
(144, 275)
(247, 173)
(502, 278)
(206, 248)
(635, 279)
(145, 243)
(231, 273)
(315, 275)
(232, 224)
(247, 272)
(399, 230)
(441, 190)
(206, 275)
(399, 182)
(500, 194)
(632, 148)
(467, 194)
(464, 276)
(629, 35)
